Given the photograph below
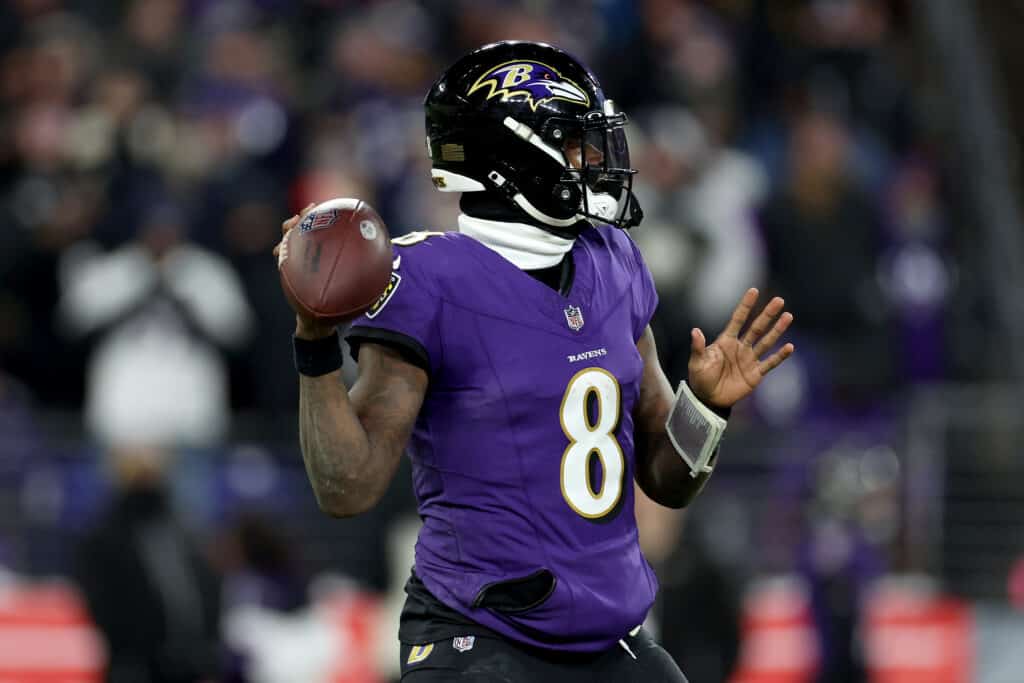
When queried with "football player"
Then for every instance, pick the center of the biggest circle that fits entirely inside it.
(513, 361)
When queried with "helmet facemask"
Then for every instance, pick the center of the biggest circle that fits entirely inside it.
(595, 182)
(597, 163)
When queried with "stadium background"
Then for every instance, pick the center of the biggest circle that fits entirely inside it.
(855, 156)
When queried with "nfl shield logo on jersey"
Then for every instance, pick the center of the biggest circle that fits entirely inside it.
(574, 316)
(463, 643)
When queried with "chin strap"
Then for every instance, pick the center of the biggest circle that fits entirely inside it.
(526, 246)
(509, 189)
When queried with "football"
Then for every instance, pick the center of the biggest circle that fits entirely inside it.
(336, 262)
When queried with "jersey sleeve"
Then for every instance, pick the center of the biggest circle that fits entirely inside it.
(645, 296)
(403, 318)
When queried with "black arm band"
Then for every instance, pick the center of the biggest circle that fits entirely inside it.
(316, 357)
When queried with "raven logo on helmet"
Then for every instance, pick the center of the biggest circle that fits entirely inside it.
(535, 82)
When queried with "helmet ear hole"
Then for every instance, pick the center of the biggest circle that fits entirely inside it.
(567, 196)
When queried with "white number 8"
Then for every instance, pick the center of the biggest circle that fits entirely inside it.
(586, 438)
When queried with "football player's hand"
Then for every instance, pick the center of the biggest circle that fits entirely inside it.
(280, 251)
(305, 328)
(730, 368)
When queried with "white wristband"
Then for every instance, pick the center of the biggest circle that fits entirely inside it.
(694, 430)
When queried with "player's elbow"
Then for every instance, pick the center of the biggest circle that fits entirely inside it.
(676, 494)
(342, 504)
(687, 493)
(677, 501)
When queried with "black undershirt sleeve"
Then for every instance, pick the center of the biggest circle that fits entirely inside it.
(410, 349)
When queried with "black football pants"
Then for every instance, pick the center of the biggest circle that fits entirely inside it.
(496, 660)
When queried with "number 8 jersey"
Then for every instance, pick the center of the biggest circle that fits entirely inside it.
(522, 453)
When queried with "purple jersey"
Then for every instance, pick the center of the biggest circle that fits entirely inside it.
(522, 452)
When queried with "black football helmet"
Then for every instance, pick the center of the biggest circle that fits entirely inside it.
(528, 122)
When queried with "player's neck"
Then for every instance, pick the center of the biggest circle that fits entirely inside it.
(526, 246)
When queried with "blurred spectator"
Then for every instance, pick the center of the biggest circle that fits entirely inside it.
(17, 424)
(656, 55)
(699, 234)
(273, 632)
(242, 215)
(824, 243)
(150, 592)
(377, 66)
(161, 309)
(22, 441)
(152, 41)
(839, 564)
(697, 613)
(915, 271)
(261, 568)
(46, 205)
(262, 582)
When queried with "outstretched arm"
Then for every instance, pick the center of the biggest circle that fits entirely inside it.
(720, 374)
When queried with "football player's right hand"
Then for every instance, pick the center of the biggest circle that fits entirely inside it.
(305, 328)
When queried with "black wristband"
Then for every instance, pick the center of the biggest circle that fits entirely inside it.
(316, 357)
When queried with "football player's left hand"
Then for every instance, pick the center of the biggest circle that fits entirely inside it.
(729, 369)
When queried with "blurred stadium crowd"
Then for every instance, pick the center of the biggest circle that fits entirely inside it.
(151, 148)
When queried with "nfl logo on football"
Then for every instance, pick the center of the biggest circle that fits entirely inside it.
(463, 643)
(317, 221)
(574, 316)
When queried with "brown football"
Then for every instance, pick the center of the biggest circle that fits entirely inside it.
(336, 262)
